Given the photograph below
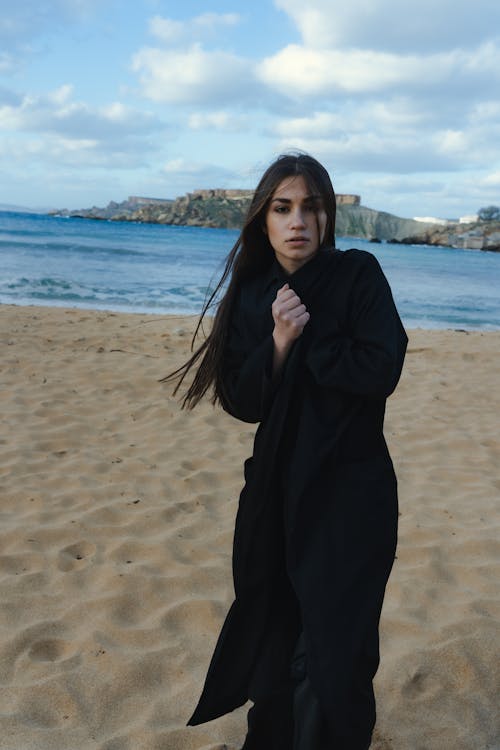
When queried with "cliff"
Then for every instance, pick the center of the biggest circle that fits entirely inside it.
(227, 209)
(478, 235)
(359, 221)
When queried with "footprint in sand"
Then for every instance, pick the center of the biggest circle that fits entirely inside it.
(50, 649)
(75, 556)
(421, 682)
(414, 685)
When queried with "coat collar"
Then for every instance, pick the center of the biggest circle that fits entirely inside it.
(299, 280)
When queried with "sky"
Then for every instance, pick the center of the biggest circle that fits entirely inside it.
(399, 99)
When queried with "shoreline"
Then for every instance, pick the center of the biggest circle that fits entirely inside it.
(118, 512)
(195, 316)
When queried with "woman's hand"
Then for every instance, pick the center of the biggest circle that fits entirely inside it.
(290, 316)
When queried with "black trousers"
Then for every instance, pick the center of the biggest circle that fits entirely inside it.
(291, 718)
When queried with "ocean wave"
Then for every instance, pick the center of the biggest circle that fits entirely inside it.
(37, 246)
(187, 299)
(47, 288)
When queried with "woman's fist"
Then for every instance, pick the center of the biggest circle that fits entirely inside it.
(289, 315)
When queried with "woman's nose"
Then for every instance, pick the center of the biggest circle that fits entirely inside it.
(297, 218)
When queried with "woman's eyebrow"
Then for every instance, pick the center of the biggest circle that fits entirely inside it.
(307, 199)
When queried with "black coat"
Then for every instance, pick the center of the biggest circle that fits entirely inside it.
(315, 533)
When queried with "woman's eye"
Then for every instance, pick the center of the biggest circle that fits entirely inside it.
(281, 209)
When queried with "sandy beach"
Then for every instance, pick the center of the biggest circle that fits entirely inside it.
(117, 513)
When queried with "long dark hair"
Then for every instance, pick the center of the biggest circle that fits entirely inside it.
(251, 254)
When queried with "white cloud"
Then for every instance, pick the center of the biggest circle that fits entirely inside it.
(173, 32)
(484, 60)
(55, 152)
(492, 180)
(10, 117)
(173, 166)
(396, 113)
(57, 113)
(61, 95)
(394, 116)
(297, 71)
(370, 146)
(430, 195)
(220, 120)
(395, 135)
(180, 165)
(376, 151)
(61, 133)
(393, 25)
(317, 125)
(183, 71)
(452, 142)
(166, 29)
(41, 147)
(192, 175)
(211, 20)
(192, 75)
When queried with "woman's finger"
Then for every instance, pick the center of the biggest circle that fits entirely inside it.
(285, 295)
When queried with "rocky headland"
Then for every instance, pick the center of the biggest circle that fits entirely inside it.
(226, 209)
(222, 209)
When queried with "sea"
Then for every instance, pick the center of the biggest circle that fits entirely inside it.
(158, 269)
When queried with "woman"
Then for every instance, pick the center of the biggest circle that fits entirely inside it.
(307, 342)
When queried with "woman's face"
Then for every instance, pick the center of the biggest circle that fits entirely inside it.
(295, 223)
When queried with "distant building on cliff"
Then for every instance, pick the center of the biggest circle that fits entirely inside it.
(220, 193)
(138, 201)
(345, 199)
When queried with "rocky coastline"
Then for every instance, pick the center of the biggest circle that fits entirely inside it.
(226, 209)
(478, 235)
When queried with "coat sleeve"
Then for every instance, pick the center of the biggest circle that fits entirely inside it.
(247, 385)
(366, 360)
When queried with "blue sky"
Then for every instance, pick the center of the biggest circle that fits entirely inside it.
(400, 100)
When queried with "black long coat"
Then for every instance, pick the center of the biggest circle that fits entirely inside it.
(316, 528)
